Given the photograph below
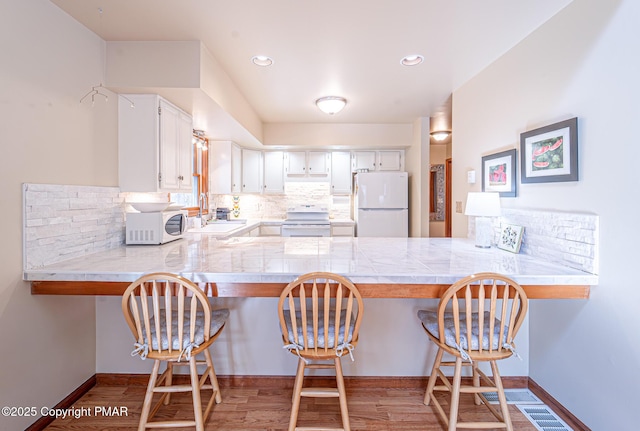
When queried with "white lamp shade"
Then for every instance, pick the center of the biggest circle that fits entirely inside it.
(483, 204)
(331, 104)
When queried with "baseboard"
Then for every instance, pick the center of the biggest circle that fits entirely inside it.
(66, 403)
(558, 408)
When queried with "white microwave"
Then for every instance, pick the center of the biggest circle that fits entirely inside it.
(155, 227)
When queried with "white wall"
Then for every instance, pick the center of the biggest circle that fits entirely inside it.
(417, 165)
(49, 62)
(582, 63)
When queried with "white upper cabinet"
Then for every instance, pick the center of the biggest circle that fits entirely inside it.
(154, 145)
(340, 172)
(307, 163)
(176, 158)
(273, 172)
(382, 160)
(318, 162)
(390, 160)
(296, 163)
(364, 160)
(251, 171)
(225, 167)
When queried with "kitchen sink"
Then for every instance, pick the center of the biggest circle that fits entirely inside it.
(218, 227)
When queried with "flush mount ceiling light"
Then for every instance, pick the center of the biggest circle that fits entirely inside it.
(412, 60)
(331, 104)
(262, 60)
(440, 135)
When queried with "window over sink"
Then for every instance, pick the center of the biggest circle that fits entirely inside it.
(200, 183)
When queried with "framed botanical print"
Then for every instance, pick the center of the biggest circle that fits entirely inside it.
(550, 153)
(499, 173)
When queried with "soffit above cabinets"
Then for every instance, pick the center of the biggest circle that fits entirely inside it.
(350, 49)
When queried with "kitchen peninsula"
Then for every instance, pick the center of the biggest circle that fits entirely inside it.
(262, 266)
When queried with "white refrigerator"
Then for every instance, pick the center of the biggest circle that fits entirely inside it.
(381, 204)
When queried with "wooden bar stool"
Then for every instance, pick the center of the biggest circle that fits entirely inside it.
(172, 321)
(320, 315)
(476, 321)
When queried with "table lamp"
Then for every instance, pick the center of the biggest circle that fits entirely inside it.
(483, 205)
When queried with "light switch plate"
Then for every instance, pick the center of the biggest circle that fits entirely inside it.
(458, 206)
(471, 177)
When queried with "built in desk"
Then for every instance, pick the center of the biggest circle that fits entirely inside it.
(262, 266)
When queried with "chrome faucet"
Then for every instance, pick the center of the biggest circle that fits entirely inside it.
(202, 205)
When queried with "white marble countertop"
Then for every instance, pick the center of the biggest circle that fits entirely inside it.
(204, 258)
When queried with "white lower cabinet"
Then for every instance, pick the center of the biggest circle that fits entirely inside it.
(270, 230)
(342, 230)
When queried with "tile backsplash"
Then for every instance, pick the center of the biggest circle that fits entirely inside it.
(565, 238)
(266, 206)
(62, 222)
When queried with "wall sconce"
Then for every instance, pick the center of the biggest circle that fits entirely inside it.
(483, 205)
(440, 135)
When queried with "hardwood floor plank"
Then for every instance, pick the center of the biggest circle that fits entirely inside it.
(267, 409)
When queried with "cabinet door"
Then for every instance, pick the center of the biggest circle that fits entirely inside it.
(318, 163)
(185, 159)
(390, 160)
(296, 163)
(236, 169)
(251, 171)
(225, 168)
(273, 172)
(364, 160)
(340, 172)
(138, 143)
(169, 147)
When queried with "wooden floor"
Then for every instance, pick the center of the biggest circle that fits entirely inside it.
(267, 409)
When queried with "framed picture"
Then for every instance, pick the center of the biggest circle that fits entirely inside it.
(499, 173)
(550, 153)
(511, 238)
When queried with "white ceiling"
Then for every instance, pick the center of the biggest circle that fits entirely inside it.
(350, 48)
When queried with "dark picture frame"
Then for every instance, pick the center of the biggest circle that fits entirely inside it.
(550, 153)
(499, 173)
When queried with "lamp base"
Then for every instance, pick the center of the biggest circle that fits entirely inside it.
(484, 232)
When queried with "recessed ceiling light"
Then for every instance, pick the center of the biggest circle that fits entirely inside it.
(262, 60)
(331, 104)
(412, 60)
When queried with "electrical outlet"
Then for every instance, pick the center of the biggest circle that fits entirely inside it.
(459, 206)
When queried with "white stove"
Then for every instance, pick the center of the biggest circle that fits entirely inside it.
(307, 220)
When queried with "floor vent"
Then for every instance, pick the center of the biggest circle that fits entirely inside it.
(514, 396)
(543, 418)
